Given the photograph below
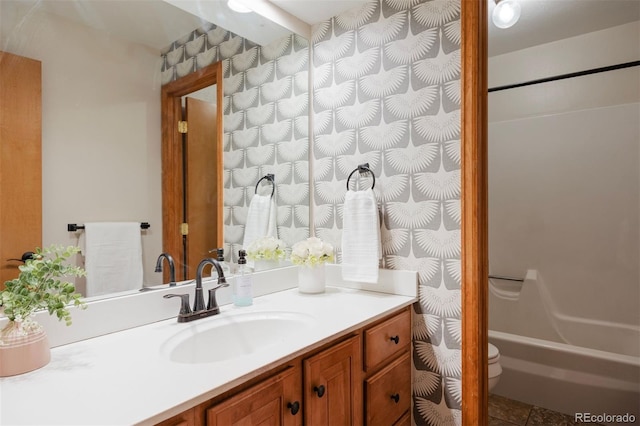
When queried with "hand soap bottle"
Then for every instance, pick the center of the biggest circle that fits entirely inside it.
(226, 269)
(243, 288)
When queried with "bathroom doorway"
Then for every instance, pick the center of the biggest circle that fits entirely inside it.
(564, 197)
(192, 171)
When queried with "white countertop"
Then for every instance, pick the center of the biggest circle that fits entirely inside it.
(127, 378)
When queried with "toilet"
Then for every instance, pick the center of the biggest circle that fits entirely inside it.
(495, 369)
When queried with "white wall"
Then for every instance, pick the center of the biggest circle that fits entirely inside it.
(564, 180)
(101, 128)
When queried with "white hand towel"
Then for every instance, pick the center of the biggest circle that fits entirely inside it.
(272, 226)
(361, 247)
(113, 257)
(258, 217)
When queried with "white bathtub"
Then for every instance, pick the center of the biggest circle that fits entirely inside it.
(566, 378)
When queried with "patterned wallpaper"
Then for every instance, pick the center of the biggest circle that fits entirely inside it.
(266, 124)
(387, 92)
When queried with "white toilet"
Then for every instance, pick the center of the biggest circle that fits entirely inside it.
(495, 369)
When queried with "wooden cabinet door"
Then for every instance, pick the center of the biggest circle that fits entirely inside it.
(268, 403)
(332, 385)
(186, 418)
(20, 160)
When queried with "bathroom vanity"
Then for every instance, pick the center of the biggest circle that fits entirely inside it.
(339, 357)
(363, 374)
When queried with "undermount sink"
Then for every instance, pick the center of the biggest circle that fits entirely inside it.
(230, 336)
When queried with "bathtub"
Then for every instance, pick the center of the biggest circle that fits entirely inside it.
(566, 378)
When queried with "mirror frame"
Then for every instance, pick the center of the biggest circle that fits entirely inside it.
(172, 178)
(474, 256)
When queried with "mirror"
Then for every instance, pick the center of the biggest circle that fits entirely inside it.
(101, 118)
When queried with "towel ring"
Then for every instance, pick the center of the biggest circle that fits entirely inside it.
(271, 178)
(362, 168)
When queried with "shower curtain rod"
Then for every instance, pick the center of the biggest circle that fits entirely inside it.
(565, 76)
(501, 277)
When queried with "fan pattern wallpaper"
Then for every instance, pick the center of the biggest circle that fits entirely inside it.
(387, 92)
(266, 124)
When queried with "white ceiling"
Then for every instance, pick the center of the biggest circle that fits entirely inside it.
(314, 11)
(149, 22)
(157, 23)
(541, 21)
(544, 21)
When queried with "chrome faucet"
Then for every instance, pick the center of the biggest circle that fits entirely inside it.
(199, 309)
(172, 267)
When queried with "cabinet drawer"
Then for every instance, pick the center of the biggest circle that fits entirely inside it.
(387, 338)
(388, 392)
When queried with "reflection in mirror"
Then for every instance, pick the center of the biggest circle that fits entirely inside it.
(266, 126)
(204, 178)
(101, 121)
(192, 168)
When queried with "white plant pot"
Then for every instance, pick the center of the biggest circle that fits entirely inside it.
(311, 279)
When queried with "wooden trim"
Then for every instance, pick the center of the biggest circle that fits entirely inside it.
(474, 214)
(219, 218)
(172, 191)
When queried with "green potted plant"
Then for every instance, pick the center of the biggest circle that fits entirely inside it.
(41, 284)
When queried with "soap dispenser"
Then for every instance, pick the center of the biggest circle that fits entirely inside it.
(243, 288)
(226, 269)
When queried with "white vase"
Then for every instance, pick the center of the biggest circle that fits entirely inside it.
(22, 353)
(311, 279)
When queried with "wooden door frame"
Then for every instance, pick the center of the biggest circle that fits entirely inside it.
(474, 213)
(172, 180)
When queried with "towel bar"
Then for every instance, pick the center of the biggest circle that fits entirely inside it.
(362, 168)
(73, 227)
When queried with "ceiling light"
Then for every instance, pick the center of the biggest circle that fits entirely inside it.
(506, 13)
(237, 6)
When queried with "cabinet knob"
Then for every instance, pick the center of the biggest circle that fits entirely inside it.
(294, 407)
(319, 390)
(395, 339)
(396, 397)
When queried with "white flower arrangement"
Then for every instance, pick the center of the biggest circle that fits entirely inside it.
(266, 248)
(311, 252)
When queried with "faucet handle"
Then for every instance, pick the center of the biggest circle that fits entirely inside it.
(212, 304)
(185, 309)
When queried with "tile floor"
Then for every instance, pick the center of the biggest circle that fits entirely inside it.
(508, 412)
